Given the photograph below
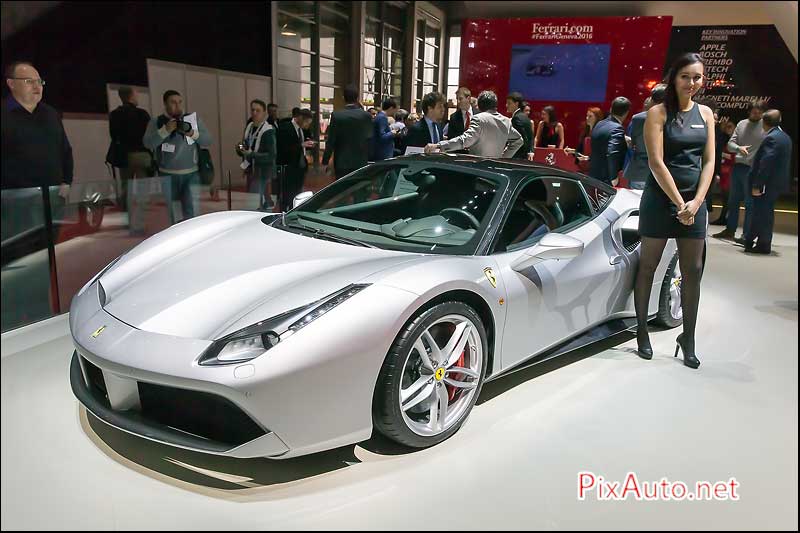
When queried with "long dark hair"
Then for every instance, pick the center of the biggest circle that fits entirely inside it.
(671, 95)
(552, 117)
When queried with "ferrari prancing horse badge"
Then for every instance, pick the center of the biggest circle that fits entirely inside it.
(490, 276)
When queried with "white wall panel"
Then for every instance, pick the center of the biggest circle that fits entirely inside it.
(233, 115)
(89, 139)
(259, 88)
(202, 97)
(161, 77)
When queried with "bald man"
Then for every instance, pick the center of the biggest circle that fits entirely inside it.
(36, 151)
(768, 178)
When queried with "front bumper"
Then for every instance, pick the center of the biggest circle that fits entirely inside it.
(134, 421)
(305, 395)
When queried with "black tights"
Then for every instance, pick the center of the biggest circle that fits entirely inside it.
(691, 253)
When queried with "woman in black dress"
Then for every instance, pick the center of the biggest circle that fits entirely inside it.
(679, 135)
(549, 132)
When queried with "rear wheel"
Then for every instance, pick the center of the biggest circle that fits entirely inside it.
(90, 216)
(432, 376)
(670, 313)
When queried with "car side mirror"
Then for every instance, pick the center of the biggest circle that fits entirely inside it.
(302, 197)
(552, 246)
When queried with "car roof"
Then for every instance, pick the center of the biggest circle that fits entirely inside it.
(515, 169)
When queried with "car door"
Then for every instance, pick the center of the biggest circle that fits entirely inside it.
(554, 299)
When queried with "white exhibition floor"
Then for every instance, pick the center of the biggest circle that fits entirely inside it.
(513, 465)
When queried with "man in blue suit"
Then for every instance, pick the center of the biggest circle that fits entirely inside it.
(383, 136)
(428, 130)
(608, 143)
(769, 176)
(638, 167)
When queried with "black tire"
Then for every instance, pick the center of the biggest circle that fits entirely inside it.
(664, 317)
(90, 217)
(386, 414)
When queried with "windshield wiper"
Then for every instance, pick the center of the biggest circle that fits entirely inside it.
(322, 234)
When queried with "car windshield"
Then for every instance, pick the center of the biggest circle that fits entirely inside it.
(412, 207)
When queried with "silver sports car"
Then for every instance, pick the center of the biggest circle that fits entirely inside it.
(385, 301)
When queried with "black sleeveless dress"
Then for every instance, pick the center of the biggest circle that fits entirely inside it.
(549, 135)
(685, 136)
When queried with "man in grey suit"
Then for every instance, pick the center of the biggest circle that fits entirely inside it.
(638, 167)
(490, 134)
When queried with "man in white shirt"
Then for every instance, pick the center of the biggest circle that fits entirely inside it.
(460, 120)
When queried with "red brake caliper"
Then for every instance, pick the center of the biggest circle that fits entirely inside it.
(451, 391)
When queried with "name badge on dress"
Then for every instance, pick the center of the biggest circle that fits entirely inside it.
(167, 147)
(698, 126)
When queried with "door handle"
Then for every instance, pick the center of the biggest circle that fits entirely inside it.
(615, 259)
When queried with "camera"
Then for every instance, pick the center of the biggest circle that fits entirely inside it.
(183, 127)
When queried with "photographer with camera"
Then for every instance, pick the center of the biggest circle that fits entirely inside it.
(176, 146)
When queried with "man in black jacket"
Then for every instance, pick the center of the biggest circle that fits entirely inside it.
(769, 177)
(36, 151)
(522, 123)
(272, 115)
(428, 130)
(127, 124)
(348, 136)
(292, 161)
(459, 121)
(608, 143)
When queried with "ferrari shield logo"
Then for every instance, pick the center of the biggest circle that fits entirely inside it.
(439, 374)
(98, 331)
(490, 276)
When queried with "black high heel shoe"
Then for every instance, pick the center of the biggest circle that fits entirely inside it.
(688, 359)
(645, 352)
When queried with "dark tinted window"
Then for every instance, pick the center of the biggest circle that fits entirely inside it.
(599, 198)
(417, 207)
(541, 206)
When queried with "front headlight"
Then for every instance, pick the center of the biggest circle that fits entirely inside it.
(329, 303)
(247, 348)
(253, 341)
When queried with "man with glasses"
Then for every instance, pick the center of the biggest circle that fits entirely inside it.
(36, 151)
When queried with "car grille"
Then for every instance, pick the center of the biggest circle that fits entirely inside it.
(632, 246)
(97, 384)
(201, 414)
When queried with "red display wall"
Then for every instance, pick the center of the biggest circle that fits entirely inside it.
(637, 50)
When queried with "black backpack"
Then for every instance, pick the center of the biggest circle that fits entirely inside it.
(204, 166)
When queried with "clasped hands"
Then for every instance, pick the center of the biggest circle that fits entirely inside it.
(687, 211)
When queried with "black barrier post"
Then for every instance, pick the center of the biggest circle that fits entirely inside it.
(51, 249)
(229, 190)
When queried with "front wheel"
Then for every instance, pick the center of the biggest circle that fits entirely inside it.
(670, 312)
(432, 376)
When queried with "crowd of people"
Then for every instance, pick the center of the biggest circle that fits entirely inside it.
(275, 152)
(673, 150)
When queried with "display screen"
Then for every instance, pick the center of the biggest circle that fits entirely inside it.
(560, 72)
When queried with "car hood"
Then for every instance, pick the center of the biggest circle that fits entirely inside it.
(208, 276)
